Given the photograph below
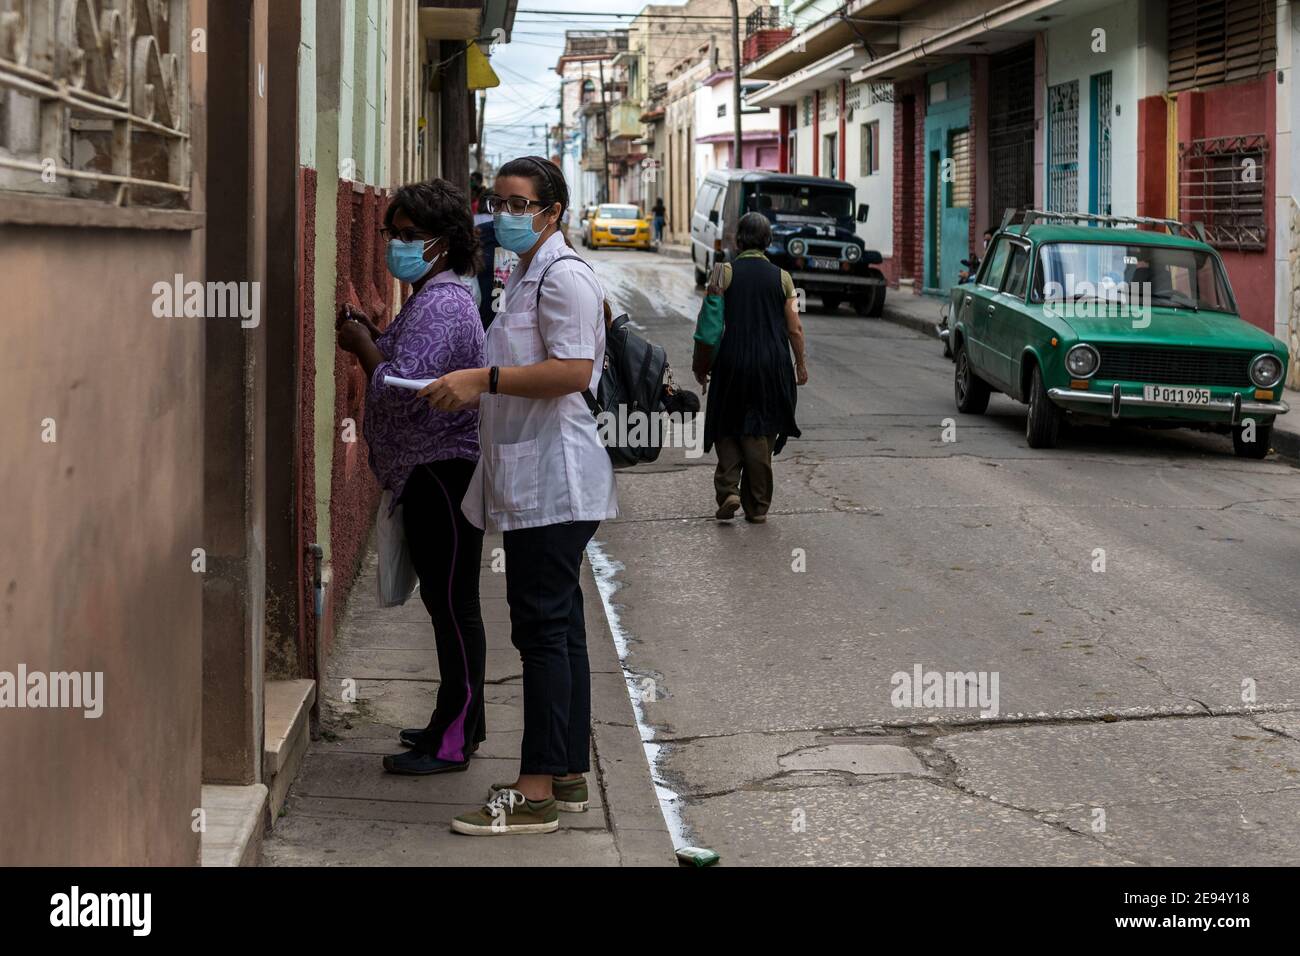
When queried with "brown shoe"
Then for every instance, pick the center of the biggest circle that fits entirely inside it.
(727, 510)
(756, 519)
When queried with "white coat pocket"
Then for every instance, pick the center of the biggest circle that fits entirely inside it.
(515, 476)
(526, 347)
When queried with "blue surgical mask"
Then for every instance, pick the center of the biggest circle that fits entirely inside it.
(515, 233)
(406, 259)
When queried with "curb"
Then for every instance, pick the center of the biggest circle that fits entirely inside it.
(914, 322)
(675, 252)
(1286, 443)
(631, 802)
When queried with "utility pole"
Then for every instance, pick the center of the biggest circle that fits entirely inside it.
(482, 108)
(736, 162)
(604, 115)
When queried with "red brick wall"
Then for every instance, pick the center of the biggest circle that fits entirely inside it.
(306, 492)
(909, 183)
(762, 42)
(362, 280)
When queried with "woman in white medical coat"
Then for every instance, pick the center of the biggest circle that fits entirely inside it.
(544, 480)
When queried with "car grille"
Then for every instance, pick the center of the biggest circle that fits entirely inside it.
(623, 230)
(826, 250)
(1175, 366)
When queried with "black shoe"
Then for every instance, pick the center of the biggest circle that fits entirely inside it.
(414, 736)
(415, 763)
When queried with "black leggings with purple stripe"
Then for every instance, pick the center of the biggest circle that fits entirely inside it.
(447, 552)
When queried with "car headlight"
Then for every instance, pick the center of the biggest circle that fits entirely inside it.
(796, 247)
(1266, 370)
(852, 253)
(1082, 361)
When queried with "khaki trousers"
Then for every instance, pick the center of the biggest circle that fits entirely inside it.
(745, 468)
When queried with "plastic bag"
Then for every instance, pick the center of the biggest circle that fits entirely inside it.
(396, 579)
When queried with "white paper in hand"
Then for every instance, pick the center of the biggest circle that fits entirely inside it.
(414, 384)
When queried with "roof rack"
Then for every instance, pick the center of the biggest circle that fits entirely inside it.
(1027, 217)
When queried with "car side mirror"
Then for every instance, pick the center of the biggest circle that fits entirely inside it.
(713, 216)
(863, 210)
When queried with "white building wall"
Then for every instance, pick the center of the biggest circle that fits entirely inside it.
(877, 190)
(1073, 53)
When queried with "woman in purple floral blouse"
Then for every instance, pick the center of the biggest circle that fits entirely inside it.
(426, 457)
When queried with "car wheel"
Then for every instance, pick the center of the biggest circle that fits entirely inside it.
(1043, 424)
(831, 302)
(971, 391)
(700, 278)
(1252, 449)
(871, 304)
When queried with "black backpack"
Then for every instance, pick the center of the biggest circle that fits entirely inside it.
(631, 381)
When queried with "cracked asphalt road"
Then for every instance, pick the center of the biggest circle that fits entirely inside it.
(1148, 713)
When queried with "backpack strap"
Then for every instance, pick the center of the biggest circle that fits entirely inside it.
(542, 278)
(592, 404)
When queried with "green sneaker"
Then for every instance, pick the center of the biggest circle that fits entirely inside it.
(509, 811)
(570, 795)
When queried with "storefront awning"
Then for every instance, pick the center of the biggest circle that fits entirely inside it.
(1001, 28)
(816, 76)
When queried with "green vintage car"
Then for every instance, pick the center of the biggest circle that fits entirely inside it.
(1130, 319)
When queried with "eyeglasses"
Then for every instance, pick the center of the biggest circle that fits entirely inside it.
(515, 205)
(406, 235)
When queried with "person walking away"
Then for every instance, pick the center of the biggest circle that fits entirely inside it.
(426, 457)
(660, 215)
(545, 481)
(748, 377)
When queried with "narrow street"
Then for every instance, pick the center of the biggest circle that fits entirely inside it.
(1147, 713)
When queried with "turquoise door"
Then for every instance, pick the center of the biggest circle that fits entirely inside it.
(948, 147)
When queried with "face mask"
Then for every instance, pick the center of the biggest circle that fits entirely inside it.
(406, 259)
(515, 233)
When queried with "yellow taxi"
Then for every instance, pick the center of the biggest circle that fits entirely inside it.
(615, 224)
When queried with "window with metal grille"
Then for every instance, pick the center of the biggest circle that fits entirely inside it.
(1011, 131)
(1063, 147)
(1221, 183)
(869, 147)
(807, 111)
(1212, 42)
(882, 93)
(853, 96)
(959, 152)
(94, 101)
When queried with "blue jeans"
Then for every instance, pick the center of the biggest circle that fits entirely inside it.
(659, 228)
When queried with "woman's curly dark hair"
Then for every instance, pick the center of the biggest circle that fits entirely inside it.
(441, 210)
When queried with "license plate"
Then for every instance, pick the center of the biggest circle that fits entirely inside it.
(1176, 395)
(818, 263)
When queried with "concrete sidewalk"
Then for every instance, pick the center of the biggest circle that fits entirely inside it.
(344, 810)
(921, 313)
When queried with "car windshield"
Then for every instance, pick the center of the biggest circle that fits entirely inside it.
(619, 212)
(798, 199)
(1161, 276)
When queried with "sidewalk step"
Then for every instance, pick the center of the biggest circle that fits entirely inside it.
(235, 819)
(287, 736)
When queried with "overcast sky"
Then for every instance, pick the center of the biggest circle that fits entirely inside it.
(525, 102)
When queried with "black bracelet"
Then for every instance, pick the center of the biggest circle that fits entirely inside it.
(494, 374)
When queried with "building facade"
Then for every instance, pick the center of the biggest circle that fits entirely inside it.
(189, 447)
(946, 113)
